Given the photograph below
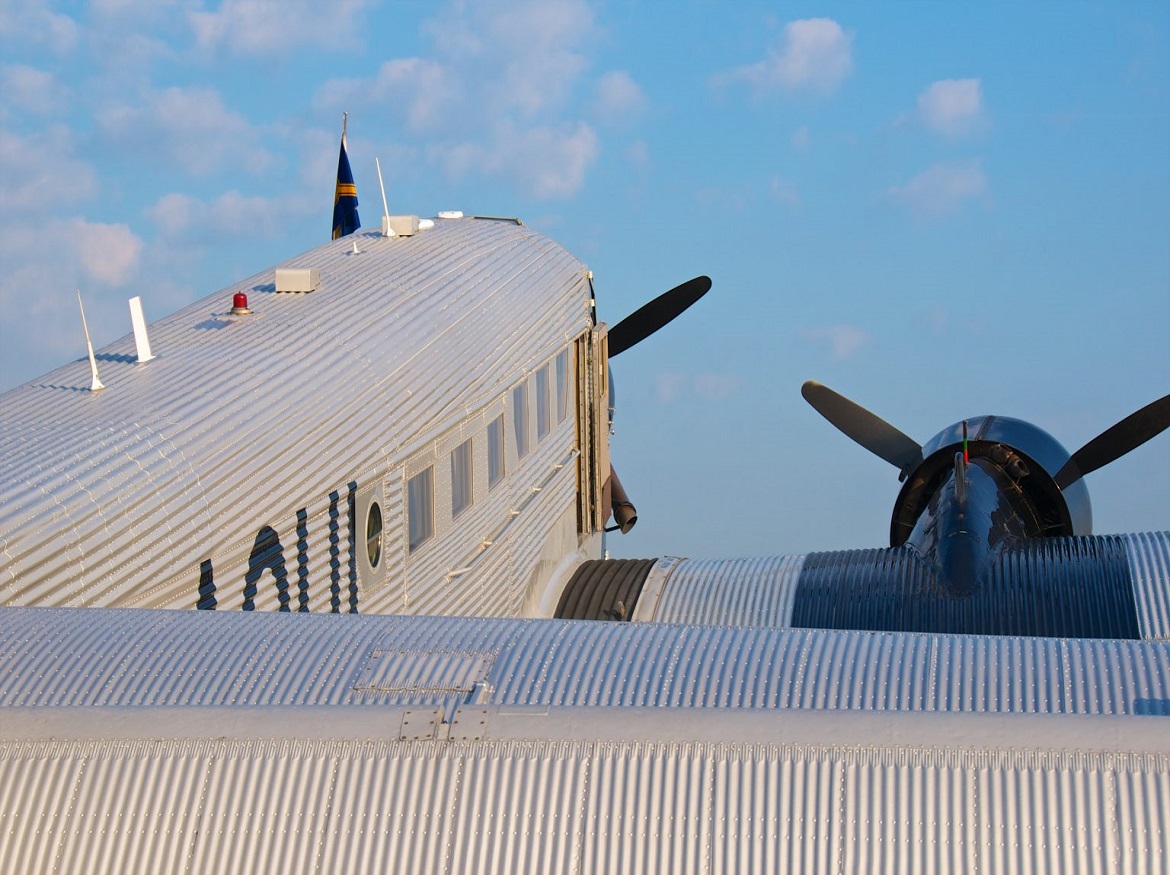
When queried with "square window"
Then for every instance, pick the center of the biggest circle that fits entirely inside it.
(495, 450)
(542, 403)
(520, 418)
(420, 497)
(461, 480)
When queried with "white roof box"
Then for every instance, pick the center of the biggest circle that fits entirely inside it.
(297, 279)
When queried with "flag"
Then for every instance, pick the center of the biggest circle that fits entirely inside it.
(345, 202)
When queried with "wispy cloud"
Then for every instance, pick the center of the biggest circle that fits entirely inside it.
(180, 217)
(271, 27)
(941, 189)
(674, 386)
(842, 341)
(32, 23)
(190, 127)
(784, 191)
(493, 96)
(617, 97)
(953, 107)
(43, 171)
(34, 91)
(811, 55)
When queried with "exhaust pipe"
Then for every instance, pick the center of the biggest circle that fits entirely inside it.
(624, 513)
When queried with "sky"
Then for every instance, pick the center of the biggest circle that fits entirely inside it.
(939, 210)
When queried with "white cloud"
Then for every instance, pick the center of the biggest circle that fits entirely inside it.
(941, 189)
(547, 161)
(952, 107)
(492, 98)
(843, 341)
(800, 139)
(39, 173)
(273, 27)
(232, 215)
(618, 97)
(43, 264)
(107, 254)
(524, 56)
(424, 92)
(190, 127)
(34, 91)
(32, 23)
(812, 54)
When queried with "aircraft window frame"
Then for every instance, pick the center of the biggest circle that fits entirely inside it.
(374, 529)
(520, 419)
(462, 477)
(420, 508)
(496, 451)
(562, 372)
(543, 407)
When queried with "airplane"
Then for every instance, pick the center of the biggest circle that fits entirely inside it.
(414, 420)
(410, 427)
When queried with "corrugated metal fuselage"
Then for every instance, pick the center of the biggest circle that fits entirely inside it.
(227, 472)
(187, 742)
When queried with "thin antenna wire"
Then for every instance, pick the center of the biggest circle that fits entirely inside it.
(387, 231)
(96, 384)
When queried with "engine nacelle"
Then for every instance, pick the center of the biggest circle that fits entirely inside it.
(1028, 456)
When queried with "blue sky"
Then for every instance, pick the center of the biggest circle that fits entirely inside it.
(940, 210)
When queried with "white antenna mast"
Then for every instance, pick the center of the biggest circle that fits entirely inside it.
(387, 231)
(141, 339)
(96, 384)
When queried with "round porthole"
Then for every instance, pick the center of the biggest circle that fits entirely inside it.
(374, 534)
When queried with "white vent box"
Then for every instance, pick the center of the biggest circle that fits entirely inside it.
(402, 226)
(297, 279)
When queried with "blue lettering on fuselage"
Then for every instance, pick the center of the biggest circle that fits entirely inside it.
(267, 554)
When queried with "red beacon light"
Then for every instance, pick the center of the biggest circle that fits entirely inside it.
(240, 305)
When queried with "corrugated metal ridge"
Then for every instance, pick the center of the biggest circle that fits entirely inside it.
(1149, 562)
(64, 657)
(577, 807)
(736, 592)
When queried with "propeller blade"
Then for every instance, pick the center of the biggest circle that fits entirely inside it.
(650, 317)
(1116, 441)
(864, 427)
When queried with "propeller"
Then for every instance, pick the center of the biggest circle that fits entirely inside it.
(1116, 441)
(650, 317)
(864, 427)
(631, 331)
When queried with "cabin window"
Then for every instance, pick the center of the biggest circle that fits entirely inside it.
(420, 497)
(461, 480)
(542, 403)
(374, 534)
(520, 419)
(562, 385)
(495, 450)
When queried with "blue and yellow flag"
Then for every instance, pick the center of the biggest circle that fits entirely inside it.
(345, 202)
